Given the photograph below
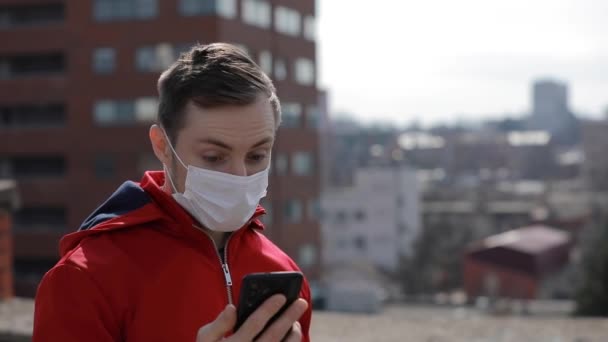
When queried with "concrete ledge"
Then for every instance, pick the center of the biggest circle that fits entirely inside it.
(16, 319)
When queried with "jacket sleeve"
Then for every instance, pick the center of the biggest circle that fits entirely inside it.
(306, 318)
(70, 307)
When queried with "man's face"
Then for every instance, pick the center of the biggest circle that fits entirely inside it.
(230, 139)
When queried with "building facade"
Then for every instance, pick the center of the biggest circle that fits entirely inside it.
(8, 201)
(78, 94)
(375, 220)
(595, 145)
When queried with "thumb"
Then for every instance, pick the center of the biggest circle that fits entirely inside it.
(217, 329)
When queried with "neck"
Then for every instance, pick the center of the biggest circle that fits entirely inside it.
(219, 238)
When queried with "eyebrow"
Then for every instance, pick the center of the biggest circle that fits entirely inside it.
(228, 147)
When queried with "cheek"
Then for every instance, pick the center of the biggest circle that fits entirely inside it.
(253, 169)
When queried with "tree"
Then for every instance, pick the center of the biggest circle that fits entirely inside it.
(592, 296)
(436, 264)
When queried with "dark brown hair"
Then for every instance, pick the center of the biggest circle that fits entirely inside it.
(210, 76)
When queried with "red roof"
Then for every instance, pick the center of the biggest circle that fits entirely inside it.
(535, 250)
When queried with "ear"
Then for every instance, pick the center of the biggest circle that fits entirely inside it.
(160, 145)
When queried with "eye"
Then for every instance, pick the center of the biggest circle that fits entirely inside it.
(213, 159)
(257, 157)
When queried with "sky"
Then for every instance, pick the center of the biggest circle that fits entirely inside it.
(432, 61)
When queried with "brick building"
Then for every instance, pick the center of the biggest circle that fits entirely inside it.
(8, 202)
(78, 94)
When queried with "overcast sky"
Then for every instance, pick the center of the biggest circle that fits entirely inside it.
(399, 60)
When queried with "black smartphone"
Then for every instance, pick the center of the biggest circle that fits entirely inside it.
(258, 287)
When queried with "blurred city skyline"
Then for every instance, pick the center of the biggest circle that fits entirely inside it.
(430, 61)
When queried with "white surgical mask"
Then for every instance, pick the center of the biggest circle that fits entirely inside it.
(220, 201)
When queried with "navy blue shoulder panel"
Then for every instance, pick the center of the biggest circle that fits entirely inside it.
(128, 197)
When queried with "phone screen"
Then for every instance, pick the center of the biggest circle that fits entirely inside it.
(258, 287)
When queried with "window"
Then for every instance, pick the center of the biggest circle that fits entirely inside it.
(280, 70)
(400, 201)
(293, 211)
(104, 60)
(304, 71)
(341, 216)
(360, 243)
(32, 167)
(402, 228)
(224, 8)
(114, 10)
(196, 7)
(301, 163)
(265, 61)
(145, 59)
(31, 65)
(287, 21)
(156, 58)
(360, 215)
(124, 111)
(256, 13)
(146, 109)
(312, 117)
(32, 270)
(6, 168)
(314, 209)
(110, 112)
(104, 112)
(310, 28)
(105, 166)
(121, 112)
(307, 256)
(341, 244)
(41, 218)
(280, 164)
(32, 116)
(31, 15)
(291, 114)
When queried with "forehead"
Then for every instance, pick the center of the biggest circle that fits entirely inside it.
(233, 124)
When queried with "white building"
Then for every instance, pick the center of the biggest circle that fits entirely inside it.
(376, 220)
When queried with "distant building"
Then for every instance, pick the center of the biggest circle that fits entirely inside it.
(78, 95)
(515, 264)
(595, 147)
(374, 220)
(551, 112)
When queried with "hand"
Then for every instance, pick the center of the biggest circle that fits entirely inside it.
(286, 323)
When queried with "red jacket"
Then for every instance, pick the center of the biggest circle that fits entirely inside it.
(138, 270)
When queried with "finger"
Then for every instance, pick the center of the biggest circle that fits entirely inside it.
(217, 329)
(281, 326)
(257, 321)
(296, 333)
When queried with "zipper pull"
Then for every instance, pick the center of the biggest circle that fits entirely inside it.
(227, 274)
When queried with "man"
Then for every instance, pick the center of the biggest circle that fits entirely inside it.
(163, 259)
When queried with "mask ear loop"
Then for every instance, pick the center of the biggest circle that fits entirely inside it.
(170, 177)
(165, 168)
(173, 150)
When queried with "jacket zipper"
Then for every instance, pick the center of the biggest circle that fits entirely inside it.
(223, 263)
